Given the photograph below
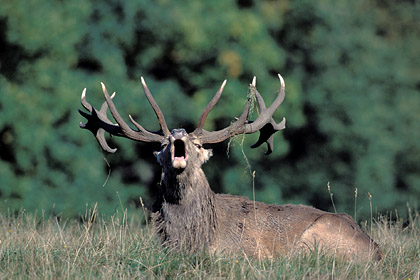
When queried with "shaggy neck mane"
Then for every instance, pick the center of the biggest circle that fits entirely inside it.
(186, 217)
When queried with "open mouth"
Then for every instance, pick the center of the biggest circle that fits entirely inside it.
(179, 155)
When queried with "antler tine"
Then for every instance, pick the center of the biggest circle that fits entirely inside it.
(124, 127)
(210, 106)
(85, 104)
(260, 100)
(156, 108)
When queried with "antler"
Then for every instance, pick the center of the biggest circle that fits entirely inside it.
(264, 122)
(98, 121)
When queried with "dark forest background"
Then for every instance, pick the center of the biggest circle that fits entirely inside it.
(352, 99)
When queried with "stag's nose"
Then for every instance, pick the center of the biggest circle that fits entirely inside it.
(178, 133)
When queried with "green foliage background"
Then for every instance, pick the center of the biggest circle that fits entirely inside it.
(352, 98)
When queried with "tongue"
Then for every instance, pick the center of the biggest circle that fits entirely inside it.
(179, 162)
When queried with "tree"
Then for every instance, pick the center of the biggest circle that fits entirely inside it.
(351, 97)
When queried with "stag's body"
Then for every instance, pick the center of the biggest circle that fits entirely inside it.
(236, 224)
(188, 215)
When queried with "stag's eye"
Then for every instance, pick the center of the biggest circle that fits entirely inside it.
(198, 145)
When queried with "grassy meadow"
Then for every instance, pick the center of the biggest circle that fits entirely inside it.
(34, 246)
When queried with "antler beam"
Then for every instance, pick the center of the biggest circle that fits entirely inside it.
(98, 122)
(264, 122)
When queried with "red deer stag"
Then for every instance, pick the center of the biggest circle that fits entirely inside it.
(188, 215)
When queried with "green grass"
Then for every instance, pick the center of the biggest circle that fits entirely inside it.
(35, 246)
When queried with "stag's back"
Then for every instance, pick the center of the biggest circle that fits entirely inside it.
(261, 229)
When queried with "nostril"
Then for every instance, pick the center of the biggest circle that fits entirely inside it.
(179, 146)
(178, 133)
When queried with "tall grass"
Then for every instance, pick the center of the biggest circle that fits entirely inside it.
(120, 247)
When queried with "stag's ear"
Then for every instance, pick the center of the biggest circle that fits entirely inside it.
(158, 157)
(205, 155)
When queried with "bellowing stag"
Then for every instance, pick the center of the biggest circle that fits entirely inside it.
(188, 215)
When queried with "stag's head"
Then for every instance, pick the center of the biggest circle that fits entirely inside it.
(181, 150)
